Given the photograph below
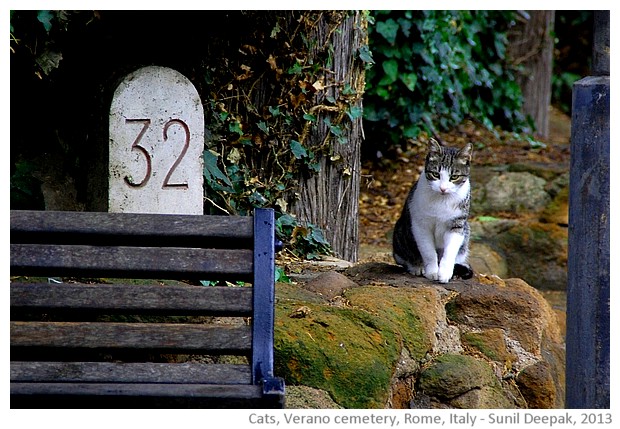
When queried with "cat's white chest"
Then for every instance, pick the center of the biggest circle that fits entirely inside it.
(432, 210)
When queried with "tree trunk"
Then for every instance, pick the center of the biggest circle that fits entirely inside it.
(531, 49)
(330, 198)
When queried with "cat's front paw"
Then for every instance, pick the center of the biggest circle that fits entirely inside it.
(430, 272)
(445, 274)
(416, 271)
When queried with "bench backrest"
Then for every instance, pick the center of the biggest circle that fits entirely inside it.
(98, 321)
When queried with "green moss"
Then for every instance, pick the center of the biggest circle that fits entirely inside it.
(489, 342)
(452, 375)
(350, 352)
(336, 350)
(452, 310)
(407, 312)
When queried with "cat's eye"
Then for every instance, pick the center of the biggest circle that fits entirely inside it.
(455, 177)
(432, 175)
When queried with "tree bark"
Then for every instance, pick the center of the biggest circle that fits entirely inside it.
(531, 49)
(330, 198)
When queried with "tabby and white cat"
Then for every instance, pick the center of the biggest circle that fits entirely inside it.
(431, 237)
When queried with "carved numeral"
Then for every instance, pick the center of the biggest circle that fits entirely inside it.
(183, 125)
(136, 146)
(149, 171)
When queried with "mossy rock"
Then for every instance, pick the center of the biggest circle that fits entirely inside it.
(407, 311)
(452, 375)
(489, 342)
(349, 351)
(342, 351)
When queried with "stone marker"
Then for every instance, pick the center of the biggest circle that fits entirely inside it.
(156, 144)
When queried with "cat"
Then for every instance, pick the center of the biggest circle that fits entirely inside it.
(431, 236)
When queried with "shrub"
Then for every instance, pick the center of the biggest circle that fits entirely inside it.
(435, 68)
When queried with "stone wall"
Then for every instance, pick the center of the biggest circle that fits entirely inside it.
(372, 336)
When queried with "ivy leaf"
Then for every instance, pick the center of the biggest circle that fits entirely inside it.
(390, 67)
(388, 29)
(405, 25)
(235, 127)
(365, 54)
(336, 130)
(355, 112)
(49, 60)
(212, 172)
(298, 150)
(409, 79)
(275, 31)
(500, 47)
(315, 166)
(45, 18)
(281, 276)
(295, 69)
(263, 127)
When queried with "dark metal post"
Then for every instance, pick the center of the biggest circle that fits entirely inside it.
(264, 294)
(588, 306)
(265, 244)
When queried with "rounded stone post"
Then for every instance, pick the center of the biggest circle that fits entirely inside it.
(156, 144)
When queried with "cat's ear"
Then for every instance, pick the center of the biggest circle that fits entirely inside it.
(466, 152)
(433, 145)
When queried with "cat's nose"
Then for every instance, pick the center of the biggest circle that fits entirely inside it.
(443, 189)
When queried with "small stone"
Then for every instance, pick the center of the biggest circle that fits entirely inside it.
(329, 284)
(300, 312)
(537, 386)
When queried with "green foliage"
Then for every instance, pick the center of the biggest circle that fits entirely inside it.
(38, 33)
(281, 276)
(572, 56)
(257, 151)
(435, 68)
(305, 240)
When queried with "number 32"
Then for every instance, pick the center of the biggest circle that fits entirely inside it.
(136, 147)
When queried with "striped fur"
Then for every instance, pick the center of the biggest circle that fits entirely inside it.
(431, 237)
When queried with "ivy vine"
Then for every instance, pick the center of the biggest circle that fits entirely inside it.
(262, 121)
(256, 152)
(434, 69)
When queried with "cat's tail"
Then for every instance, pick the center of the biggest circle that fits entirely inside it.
(463, 271)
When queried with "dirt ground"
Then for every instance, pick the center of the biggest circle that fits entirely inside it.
(385, 183)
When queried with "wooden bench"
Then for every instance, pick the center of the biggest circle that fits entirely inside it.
(88, 341)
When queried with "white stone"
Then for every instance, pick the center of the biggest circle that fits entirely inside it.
(156, 144)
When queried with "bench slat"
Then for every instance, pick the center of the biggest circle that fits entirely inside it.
(163, 337)
(130, 262)
(132, 299)
(113, 372)
(136, 229)
(164, 390)
(68, 352)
